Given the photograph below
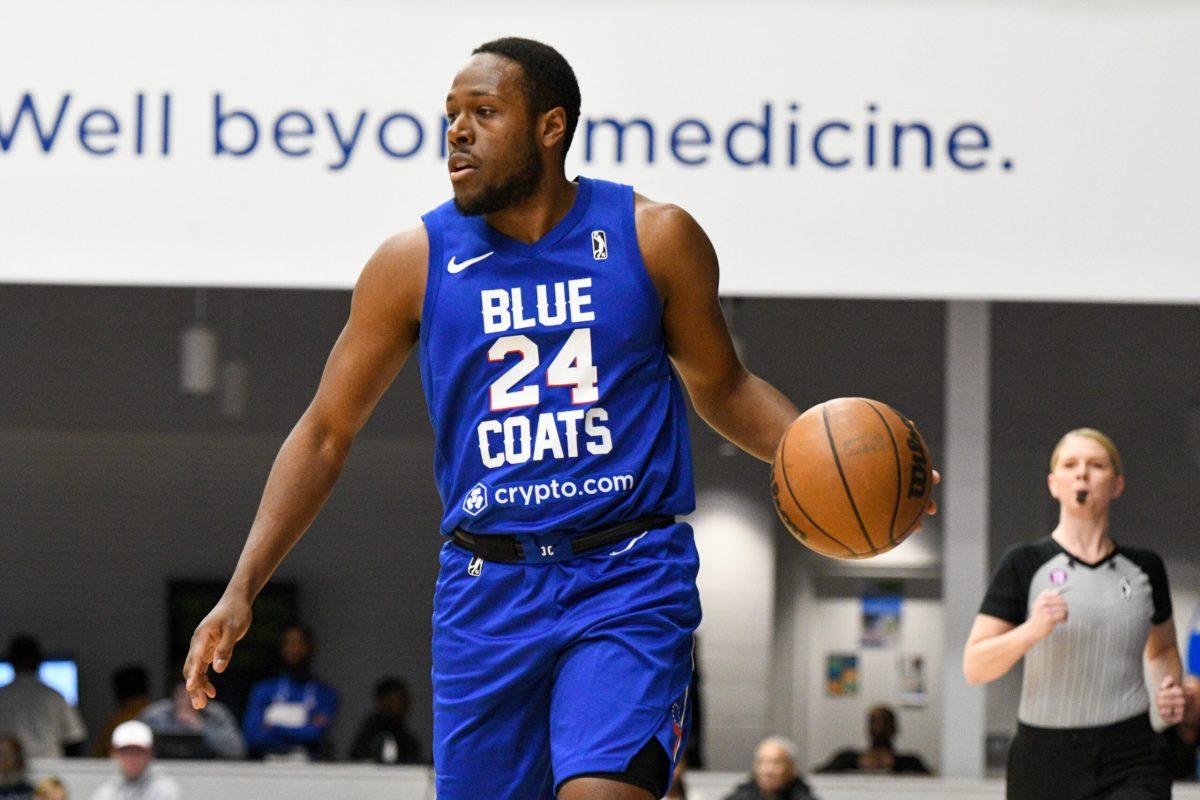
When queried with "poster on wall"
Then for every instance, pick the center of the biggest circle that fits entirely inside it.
(841, 674)
(880, 621)
(911, 680)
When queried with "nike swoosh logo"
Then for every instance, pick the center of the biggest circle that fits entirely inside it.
(454, 267)
(632, 542)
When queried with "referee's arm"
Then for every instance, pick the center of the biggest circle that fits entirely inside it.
(1166, 670)
(995, 645)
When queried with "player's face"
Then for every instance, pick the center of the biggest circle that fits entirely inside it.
(494, 160)
(773, 769)
(1083, 477)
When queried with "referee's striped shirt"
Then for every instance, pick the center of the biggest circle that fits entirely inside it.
(1088, 671)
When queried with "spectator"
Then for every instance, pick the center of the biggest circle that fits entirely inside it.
(880, 755)
(384, 736)
(181, 731)
(38, 716)
(13, 784)
(139, 778)
(131, 688)
(50, 789)
(290, 716)
(1183, 740)
(774, 776)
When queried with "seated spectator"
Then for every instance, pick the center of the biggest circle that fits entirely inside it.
(290, 716)
(13, 783)
(38, 716)
(774, 776)
(138, 778)
(384, 736)
(50, 789)
(1183, 740)
(880, 756)
(131, 689)
(182, 731)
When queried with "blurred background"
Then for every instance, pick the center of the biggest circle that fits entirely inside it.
(982, 213)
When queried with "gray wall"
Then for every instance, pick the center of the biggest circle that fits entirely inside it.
(112, 482)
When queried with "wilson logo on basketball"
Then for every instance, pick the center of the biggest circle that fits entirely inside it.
(918, 473)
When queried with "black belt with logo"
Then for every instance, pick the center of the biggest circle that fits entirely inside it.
(539, 549)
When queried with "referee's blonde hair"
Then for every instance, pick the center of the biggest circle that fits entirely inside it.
(1097, 436)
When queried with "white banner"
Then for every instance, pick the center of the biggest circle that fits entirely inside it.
(859, 149)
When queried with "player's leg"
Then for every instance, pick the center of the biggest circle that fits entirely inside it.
(642, 779)
(620, 701)
(602, 789)
(492, 675)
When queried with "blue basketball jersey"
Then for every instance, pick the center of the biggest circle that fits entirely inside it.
(546, 374)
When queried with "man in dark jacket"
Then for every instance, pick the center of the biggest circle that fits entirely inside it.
(384, 736)
(881, 756)
(774, 776)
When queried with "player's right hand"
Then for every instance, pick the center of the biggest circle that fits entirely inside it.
(212, 643)
(1049, 610)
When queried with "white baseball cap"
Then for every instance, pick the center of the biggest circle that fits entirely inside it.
(133, 734)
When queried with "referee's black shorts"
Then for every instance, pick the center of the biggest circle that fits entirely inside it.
(1123, 761)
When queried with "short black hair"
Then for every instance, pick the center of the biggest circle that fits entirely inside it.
(25, 653)
(131, 681)
(549, 81)
(388, 685)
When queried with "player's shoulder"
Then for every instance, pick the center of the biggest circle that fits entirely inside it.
(674, 247)
(663, 221)
(395, 274)
(401, 252)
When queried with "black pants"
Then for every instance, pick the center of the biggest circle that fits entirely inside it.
(1122, 761)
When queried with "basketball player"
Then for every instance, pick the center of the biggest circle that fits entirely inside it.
(554, 322)
(1082, 611)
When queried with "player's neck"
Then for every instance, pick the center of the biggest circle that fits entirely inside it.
(1084, 536)
(536, 215)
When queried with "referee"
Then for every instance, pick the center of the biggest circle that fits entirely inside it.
(1082, 611)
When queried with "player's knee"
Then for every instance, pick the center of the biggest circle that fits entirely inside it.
(591, 788)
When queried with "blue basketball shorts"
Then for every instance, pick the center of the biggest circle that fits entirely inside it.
(543, 672)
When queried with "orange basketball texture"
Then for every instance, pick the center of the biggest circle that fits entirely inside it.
(851, 478)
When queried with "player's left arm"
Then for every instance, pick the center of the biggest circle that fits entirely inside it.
(1166, 671)
(681, 261)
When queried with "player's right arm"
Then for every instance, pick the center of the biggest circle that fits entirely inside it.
(380, 333)
(995, 645)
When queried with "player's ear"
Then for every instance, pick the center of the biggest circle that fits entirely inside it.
(1119, 487)
(1050, 485)
(553, 127)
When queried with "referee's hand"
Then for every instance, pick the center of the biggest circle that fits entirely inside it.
(1170, 700)
(1049, 610)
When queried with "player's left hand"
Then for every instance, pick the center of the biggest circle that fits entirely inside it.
(1170, 700)
(931, 507)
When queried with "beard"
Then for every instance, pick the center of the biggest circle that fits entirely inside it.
(518, 186)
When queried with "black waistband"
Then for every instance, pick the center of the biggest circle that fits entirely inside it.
(508, 548)
(1135, 725)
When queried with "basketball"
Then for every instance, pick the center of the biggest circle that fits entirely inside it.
(851, 478)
